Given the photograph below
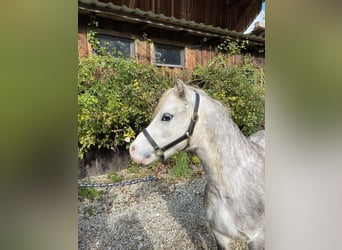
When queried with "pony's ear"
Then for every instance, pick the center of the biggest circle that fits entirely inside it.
(180, 88)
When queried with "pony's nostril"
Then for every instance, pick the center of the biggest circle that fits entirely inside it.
(132, 149)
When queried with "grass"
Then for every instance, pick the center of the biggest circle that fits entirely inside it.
(89, 211)
(88, 193)
(181, 167)
(195, 160)
(114, 177)
(137, 170)
(133, 167)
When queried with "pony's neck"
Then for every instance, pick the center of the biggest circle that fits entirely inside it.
(228, 157)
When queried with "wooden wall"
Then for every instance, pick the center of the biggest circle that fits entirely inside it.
(181, 9)
(195, 51)
(231, 14)
(83, 46)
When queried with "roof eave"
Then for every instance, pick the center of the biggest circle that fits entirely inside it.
(124, 13)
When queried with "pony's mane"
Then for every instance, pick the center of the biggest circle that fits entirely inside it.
(220, 106)
(168, 92)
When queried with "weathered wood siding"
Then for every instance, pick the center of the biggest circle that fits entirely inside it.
(83, 46)
(231, 14)
(195, 52)
(180, 9)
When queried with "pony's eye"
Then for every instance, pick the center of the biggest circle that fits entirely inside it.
(166, 117)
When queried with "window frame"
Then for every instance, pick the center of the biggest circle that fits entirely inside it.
(182, 55)
(119, 38)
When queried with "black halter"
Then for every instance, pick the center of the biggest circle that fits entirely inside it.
(186, 136)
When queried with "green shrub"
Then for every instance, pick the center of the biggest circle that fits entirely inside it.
(116, 100)
(239, 87)
(117, 96)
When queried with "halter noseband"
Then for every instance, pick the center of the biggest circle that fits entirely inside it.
(186, 136)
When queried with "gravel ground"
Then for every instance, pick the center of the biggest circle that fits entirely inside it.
(149, 215)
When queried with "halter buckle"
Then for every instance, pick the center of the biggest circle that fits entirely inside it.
(194, 117)
(159, 152)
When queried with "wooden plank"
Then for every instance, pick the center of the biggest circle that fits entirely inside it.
(132, 4)
(204, 57)
(178, 8)
(250, 11)
(153, 7)
(198, 56)
(172, 7)
(190, 58)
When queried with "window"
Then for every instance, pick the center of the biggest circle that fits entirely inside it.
(169, 55)
(117, 46)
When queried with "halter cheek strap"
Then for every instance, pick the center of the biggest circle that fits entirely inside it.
(159, 151)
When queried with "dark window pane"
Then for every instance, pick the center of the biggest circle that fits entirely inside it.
(170, 55)
(116, 46)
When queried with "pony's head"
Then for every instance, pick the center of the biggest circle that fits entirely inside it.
(170, 124)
